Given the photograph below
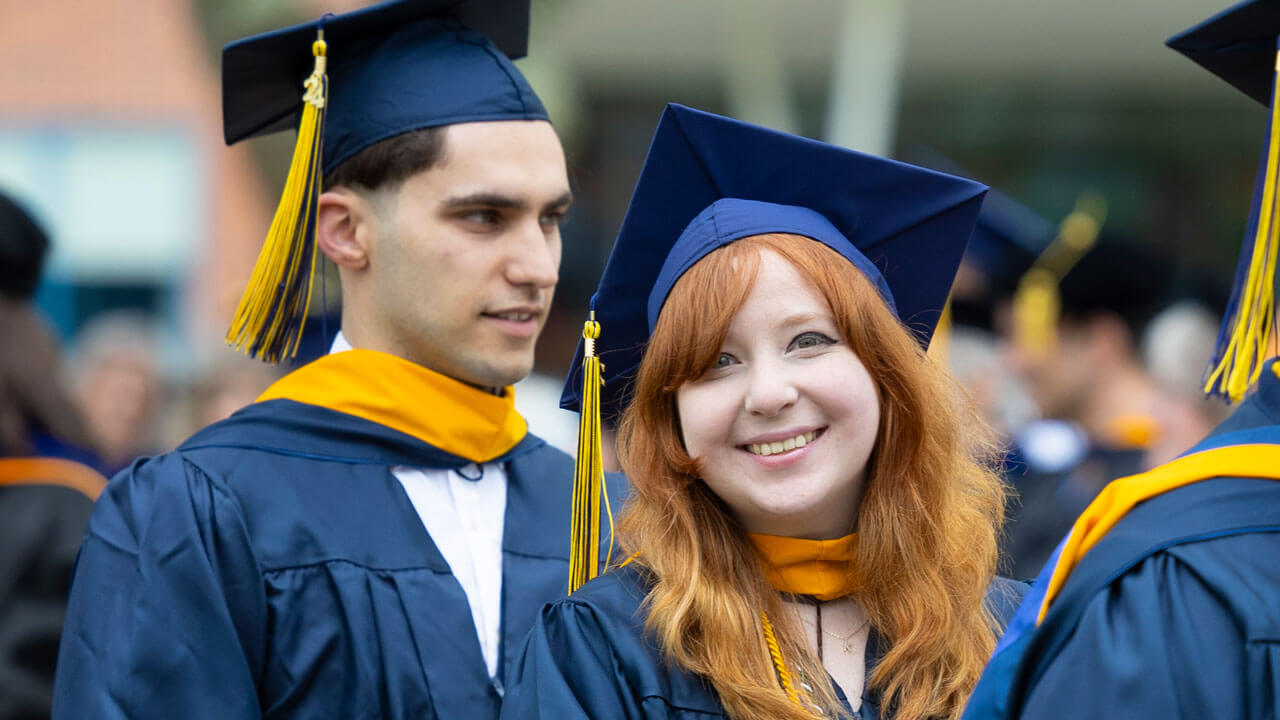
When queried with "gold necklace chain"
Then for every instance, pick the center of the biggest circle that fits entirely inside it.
(846, 641)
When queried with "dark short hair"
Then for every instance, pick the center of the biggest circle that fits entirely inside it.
(389, 162)
(23, 248)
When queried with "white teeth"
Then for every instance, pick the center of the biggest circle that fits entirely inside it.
(773, 448)
(515, 316)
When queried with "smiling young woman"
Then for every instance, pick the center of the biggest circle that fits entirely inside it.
(813, 515)
(926, 523)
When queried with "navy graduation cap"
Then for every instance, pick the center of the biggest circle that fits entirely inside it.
(346, 82)
(710, 180)
(1239, 45)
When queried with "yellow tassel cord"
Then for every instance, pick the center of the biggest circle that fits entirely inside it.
(1036, 304)
(1240, 355)
(775, 652)
(940, 343)
(588, 481)
(272, 312)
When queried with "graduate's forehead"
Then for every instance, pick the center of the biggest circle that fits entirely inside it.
(519, 160)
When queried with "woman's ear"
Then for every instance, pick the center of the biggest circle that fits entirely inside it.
(343, 223)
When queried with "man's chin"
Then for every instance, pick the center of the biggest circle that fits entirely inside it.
(501, 374)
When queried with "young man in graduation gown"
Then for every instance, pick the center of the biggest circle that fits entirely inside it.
(1162, 600)
(375, 535)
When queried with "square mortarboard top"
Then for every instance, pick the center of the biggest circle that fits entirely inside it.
(710, 180)
(393, 67)
(1238, 45)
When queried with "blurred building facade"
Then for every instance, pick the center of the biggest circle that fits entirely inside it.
(110, 130)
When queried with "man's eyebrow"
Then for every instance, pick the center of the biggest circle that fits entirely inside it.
(502, 202)
(563, 201)
(485, 199)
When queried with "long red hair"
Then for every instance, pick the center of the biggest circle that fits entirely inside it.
(927, 525)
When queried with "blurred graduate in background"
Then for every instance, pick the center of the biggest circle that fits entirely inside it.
(1083, 367)
(49, 476)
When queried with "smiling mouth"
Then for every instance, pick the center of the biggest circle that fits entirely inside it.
(781, 446)
(512, 316)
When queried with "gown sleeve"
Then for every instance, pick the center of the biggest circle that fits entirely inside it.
(167, 612)
(1158, 643)
(567, 671)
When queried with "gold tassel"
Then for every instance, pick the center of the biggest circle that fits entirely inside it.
(588, 481)
(775, 654)
(273, 309)
(1244, 343)
(1035, 312)
(1037, 303)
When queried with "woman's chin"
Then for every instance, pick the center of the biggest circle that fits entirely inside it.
(798, 519)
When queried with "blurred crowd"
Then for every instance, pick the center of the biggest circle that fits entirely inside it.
(119, 389)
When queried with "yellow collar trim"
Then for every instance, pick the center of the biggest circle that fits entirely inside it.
(1121, 496)
(821, 568)
(391, 391)
(52, 471)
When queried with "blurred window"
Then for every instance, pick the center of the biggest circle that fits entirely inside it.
(123, 205)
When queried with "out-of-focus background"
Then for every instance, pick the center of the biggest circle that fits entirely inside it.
(110, 133)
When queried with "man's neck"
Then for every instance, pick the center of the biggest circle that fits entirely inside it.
(341, 344)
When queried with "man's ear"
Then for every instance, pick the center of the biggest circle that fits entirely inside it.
(345, 226)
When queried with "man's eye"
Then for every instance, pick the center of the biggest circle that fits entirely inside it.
(481, 217)
(811, 340)
(552, 218)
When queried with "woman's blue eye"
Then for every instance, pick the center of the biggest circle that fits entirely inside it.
(725, 360)
(811, 340)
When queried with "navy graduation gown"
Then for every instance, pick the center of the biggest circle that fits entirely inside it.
(1175, 613)
(589, 656)
(273, 566)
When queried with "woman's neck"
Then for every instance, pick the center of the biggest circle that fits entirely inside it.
(836, 632)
